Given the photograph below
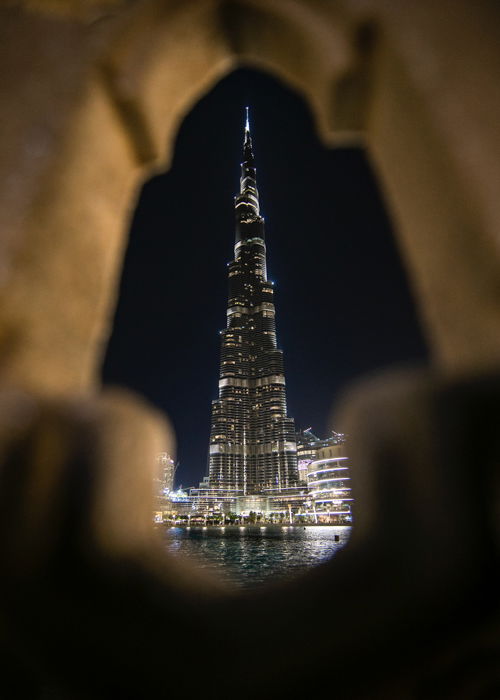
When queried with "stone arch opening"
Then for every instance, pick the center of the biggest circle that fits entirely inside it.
(340, 284)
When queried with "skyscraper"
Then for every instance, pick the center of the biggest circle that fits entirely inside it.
(252, 441)
(165, 472)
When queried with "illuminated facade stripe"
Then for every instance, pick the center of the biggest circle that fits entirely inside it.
(328, 479)
(329, 459)
(265, 306)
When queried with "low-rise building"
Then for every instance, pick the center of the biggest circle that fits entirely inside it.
(329, 486)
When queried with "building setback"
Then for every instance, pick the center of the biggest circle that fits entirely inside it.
(252, 441)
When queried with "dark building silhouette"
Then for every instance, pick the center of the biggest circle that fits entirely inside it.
(252, 441)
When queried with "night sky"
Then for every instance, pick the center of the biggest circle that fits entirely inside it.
(342, 299)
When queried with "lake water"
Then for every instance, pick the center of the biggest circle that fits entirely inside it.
(251, 556)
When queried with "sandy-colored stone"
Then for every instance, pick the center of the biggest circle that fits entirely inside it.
(435, 141)
(94, 106)
(92, 95)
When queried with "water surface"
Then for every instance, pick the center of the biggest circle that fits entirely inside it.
(251, 556)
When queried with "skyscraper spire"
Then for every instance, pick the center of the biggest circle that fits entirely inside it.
(247, 202)
(247, 141)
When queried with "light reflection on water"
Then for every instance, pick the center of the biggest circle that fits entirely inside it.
(249, 557)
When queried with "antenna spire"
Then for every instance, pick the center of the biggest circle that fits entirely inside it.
(247, 201)
(247, 141)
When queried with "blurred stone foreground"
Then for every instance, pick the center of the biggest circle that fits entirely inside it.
(92, 94)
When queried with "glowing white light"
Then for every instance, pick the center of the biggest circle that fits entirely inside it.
(324, 471)
(333, 501)
(333, 494)
(329, 478)
(247, 123)
(329, 459)
(329, 512)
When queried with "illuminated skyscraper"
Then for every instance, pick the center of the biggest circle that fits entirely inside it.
(166, 472)
(252, 441)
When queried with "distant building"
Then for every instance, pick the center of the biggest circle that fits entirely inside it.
(329, 486)
(165, 472)
(209, 498)
(252, 441)
(308, 446)
(163, 485)
(180, 502)
(257, 504)
(322, 495)
(174, 507)
(286, 503)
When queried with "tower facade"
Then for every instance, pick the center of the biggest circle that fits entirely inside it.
(252, 441)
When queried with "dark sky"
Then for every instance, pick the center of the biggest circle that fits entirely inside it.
(342, 299)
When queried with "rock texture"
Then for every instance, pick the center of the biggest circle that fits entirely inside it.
(92, 95)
